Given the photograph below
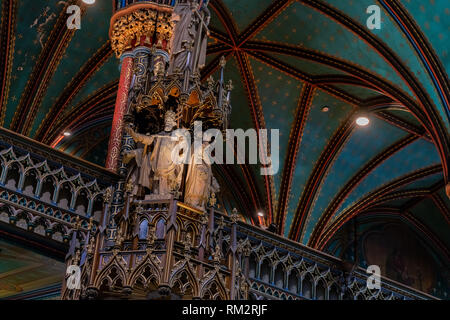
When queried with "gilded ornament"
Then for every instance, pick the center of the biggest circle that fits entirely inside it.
(108, 195)
(212, 199)
(137, 24)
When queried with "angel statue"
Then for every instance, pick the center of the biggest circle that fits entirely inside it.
(200, 182)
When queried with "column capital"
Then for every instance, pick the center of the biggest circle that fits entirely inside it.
(142, 49)
(127, 54)
(144, 24)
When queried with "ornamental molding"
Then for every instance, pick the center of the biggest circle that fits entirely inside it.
(140, 25)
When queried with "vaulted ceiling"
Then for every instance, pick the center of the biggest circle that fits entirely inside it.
(288, 61)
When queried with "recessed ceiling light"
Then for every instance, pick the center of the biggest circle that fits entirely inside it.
(362, 121)
(260, 214)
(325, 109)
(89, 1)
(67, 134)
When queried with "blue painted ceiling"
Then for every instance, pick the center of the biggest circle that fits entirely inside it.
(299, 57)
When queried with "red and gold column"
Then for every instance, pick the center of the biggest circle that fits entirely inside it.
(136, 25)
(115, 139)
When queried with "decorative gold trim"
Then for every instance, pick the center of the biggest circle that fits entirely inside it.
(140, 21)
(187, 207)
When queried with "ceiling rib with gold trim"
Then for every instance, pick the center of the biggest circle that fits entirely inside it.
(305, 67)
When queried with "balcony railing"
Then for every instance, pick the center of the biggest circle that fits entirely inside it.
(276, 267)
(45, 191)
(279, 268)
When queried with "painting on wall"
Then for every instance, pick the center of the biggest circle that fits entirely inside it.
(401, 257)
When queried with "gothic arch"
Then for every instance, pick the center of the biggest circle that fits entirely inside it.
(140, 273)
(184, 271)
(308, 286)
(30, 181)
(65, 192)
(214, 290)
(13, 174)
(82, 201)
(112, 273)
(47, 188)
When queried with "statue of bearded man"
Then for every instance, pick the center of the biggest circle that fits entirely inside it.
(157, 168)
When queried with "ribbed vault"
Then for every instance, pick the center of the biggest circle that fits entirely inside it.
(290, 61)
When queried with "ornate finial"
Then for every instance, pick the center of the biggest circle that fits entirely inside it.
(240, 246)
(212, 199)
(230, 86)
(129, 187)
(91, 246)
(119, 237)
(223, 62)
(210, 82)
(91, 223)
(244, 287)
(139, 208)
(217, 254)
(187, 242)
(204, 219)
(151, 236)
(238, 268)
(108, 195)
(77, 223)
(221, 222)
(234, 216)
(120, 240)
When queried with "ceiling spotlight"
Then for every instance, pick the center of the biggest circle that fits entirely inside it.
(362, 121)
(325, 109)
(67, 134)
(260, 214)
(89, 1)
